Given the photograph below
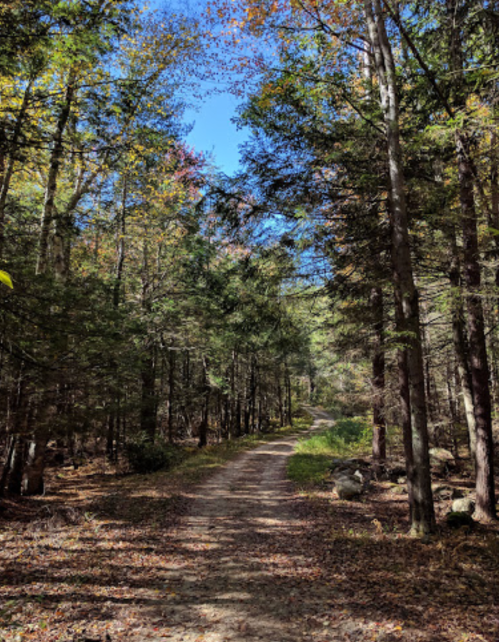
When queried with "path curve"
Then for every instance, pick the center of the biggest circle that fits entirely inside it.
(240, 574)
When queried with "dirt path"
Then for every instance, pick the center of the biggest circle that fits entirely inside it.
(113, 561)
(244, 571)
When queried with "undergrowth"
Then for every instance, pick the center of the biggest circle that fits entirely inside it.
(348, 437)
(199, 463)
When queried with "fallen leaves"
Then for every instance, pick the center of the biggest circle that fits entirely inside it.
(303, 572)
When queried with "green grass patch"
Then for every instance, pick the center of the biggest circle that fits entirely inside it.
(349, 437)
(201, 463)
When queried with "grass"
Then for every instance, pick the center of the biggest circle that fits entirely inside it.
(310, 464)
(200, 463)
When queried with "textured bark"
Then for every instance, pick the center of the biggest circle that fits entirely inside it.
(422, 512)
(11, 444)
(32, 479)
(378, 377)
(111, 436)
(289, 410)
(460, 342)
(53, 174)
(453, 416)
(494, 197)
(485, 494)
(203, 428)
(120, 259)
(148, 405)
(15, 474)
(171, 395)
(12, 158)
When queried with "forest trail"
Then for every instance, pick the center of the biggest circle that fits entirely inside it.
(244, 570)
(113, 560)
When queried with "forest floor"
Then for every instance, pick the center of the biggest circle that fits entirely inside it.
(241, 556)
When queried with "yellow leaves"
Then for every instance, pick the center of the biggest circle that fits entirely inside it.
(5, 278)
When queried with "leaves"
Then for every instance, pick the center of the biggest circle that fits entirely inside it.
(5, 278)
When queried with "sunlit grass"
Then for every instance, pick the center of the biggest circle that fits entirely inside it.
(311, 462)
(201, 462)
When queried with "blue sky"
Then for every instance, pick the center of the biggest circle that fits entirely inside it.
(213, 132)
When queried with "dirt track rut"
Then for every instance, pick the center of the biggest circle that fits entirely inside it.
(244, 571)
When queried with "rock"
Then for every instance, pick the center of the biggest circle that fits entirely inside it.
(341, 471)
(463, 505)
(441, 460)
(460, 520)
(348, 487)
(440, 454)
(441, 492)
(358, 463)
(358, 475)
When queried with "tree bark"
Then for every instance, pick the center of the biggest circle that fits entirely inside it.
(422, 513)
(9, 170)
(148, 405)
(485, 492)
(378, 377)
(54, 167)
(171, 395)
(203, 428)
(32, 479)
(460, 342)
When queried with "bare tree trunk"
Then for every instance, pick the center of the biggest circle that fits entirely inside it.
(9, 170)
(203, 429)
(32, 479)
(378, 377)
(11, 445)
(53, 174)
(148, 405)
(422, 513)
(110, 449)
(461, 344)
(171, 395)
(485, 492)
(451, 405)
(287, 385)
(15, 474)
(121, 233)
(494, 197)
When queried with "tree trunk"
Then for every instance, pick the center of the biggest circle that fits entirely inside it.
(148, 405)
(289, 409)
(378, 377)
(121, 232)
(461, 344)
(110, 450)
(422, 513)
(11, 445)
(15, 475)
(203, 428)
(171, 394)
(485, 495)
(53, 173)
(9, 170)
(32, 479)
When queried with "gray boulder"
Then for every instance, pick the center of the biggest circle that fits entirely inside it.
(463, 505)
(348, 487)
(441, 460)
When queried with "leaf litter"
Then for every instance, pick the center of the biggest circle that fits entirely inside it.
(242, 556)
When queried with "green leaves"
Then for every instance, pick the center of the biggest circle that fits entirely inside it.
(5, 278)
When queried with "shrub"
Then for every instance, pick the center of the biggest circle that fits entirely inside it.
(145, 456)
(355, 431)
